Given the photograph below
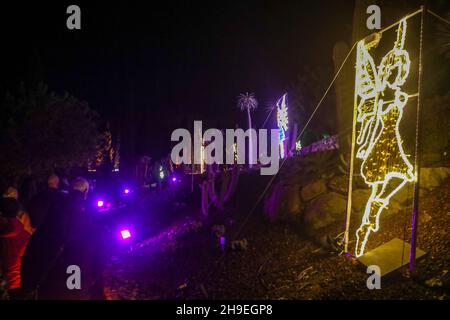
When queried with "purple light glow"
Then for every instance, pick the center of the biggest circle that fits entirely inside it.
(125, 234)
(222, 243)
(126, 191)
(175, 179)
(100, 203)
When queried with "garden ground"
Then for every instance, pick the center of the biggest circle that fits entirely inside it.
(270, 260)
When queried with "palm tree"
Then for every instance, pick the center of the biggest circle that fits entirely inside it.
(248, 102)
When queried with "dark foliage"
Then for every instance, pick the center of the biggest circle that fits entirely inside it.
(41, 131)
(304, 95)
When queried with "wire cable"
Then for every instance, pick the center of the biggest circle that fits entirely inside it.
(439, 17)
(298, 137)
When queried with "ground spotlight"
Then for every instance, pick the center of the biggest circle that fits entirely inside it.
(125, 234)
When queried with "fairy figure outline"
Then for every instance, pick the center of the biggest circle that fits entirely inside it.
(385, 166)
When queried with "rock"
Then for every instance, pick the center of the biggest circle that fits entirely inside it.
(272, 202)
(359, 200)
(434, 282)
(433, 177)
(339, 184)
(283, 203)
(325, 210)
(404, 195)
(239, 245)
(393, 208)
(424, 217)
(396, 203)
(430, 158)
(313, 190)
(294, 203)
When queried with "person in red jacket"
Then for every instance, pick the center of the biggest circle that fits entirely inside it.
(13, 241)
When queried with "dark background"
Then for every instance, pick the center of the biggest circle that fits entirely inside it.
(149, 68)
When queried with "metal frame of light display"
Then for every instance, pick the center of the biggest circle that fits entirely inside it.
(376, 139)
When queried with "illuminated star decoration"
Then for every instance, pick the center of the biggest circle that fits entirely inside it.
(282, 121)
(385, 167)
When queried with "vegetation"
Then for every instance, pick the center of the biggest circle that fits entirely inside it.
(436, 125)
(41, 131)
(304, 95)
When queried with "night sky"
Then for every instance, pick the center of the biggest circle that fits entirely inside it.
(150, 69)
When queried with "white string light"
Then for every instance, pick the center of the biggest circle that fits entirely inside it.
(380, 145)
(282, 121)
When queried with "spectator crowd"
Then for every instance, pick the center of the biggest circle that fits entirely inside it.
(42, 234)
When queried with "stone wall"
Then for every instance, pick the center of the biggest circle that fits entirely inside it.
(323, 202)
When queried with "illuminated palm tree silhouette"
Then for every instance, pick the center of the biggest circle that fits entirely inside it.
(248, 102)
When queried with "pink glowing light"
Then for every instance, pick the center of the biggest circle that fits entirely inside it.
(125, 234)
(100, 203)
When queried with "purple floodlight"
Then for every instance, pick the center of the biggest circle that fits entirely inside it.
(125, 234)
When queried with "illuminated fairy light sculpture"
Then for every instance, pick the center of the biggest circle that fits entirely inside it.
(385, 167)
(202, 152)
(202, 157)
(282, 122)
(161, 172)
(298, 146)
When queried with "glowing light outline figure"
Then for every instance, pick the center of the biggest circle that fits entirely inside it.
(161, 172)
(282, 121)
(298, 145)
(202, 157)
(370, 87)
